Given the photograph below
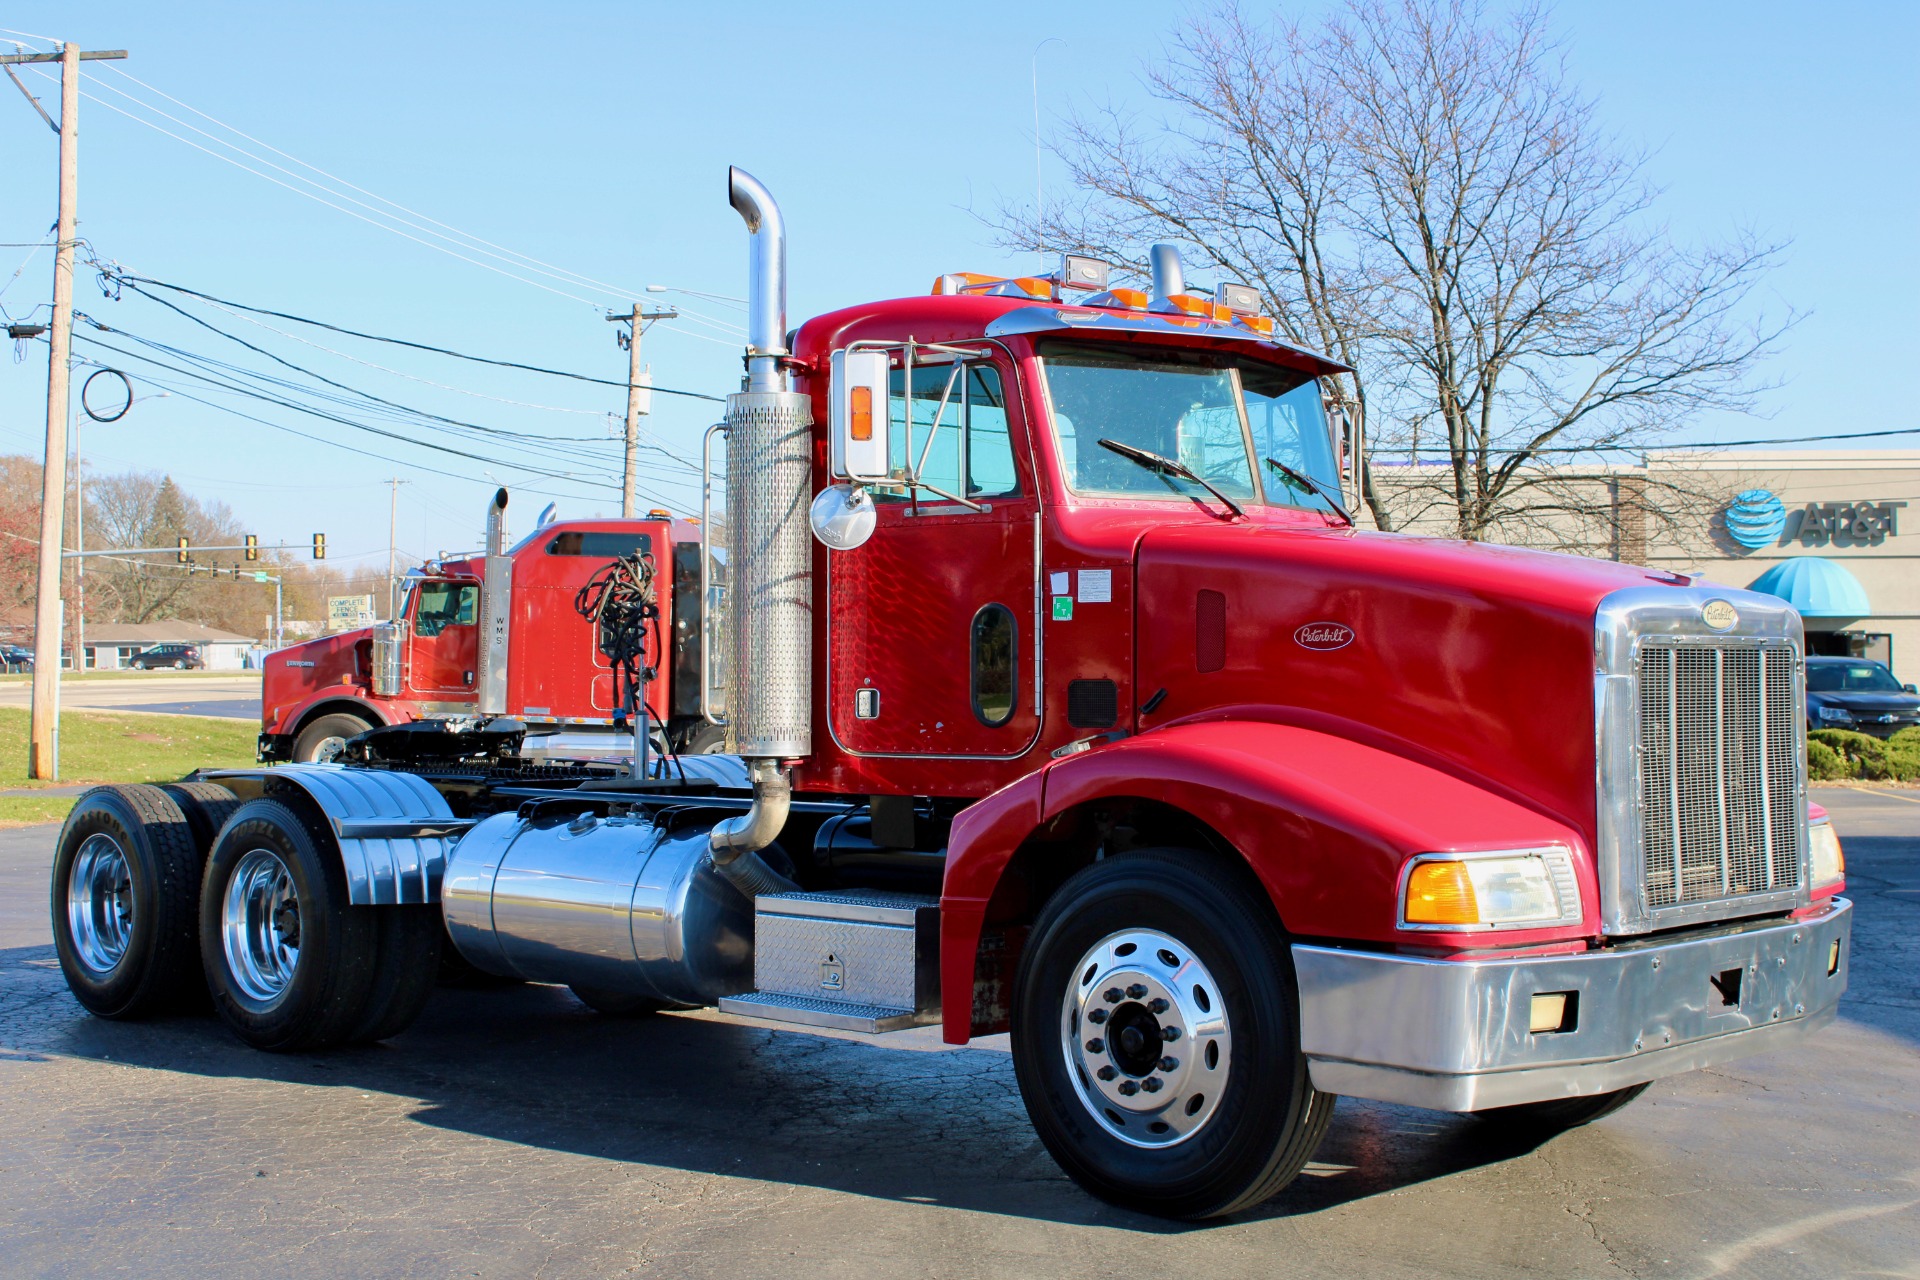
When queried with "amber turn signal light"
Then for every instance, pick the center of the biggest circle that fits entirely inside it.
(860, 406)
(1441, 893)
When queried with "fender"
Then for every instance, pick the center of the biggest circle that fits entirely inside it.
(338, 697)
(390, 830)
(1324, 822)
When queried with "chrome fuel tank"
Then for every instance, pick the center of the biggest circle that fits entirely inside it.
(617, 904)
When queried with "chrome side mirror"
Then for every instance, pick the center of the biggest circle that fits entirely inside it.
(842, 516)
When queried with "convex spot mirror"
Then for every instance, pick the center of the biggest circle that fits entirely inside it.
(857, 406)
(842, 517)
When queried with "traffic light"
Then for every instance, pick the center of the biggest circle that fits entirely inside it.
(253, 546)
(182, 553)
(319, 546)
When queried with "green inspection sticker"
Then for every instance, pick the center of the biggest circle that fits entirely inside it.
(1063, 608)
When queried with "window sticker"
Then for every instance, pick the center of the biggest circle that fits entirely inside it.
(1096, 586)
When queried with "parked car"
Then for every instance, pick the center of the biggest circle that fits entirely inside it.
(15, 657)
(180, 657)
(1859, 694)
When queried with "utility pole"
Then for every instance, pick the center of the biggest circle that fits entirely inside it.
(639, 384)
(44, 761)
(393, 548)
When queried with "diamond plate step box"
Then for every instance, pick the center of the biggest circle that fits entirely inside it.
(859, 961)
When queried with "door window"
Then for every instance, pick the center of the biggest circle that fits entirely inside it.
(445, 604)
(970, 451)
(993, 641)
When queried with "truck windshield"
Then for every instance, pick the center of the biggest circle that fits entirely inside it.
(1218, 418)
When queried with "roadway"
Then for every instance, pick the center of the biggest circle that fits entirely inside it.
(235, 696)
(514, 1133)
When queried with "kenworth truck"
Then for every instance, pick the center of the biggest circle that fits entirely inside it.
(496, 633)
(1087, 714)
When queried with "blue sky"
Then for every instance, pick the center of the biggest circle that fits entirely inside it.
(595, 137)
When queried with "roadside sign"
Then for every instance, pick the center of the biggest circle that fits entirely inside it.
(344, 613)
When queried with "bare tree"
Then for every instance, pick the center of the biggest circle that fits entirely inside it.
(1422, 194)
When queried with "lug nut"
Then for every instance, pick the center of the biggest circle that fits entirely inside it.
(1139, 990)
(1096, 1045)
(1156, 1005)
(1106, 1073)
(1129, 1088)
(1096, 1016)
(1151, 1084)
(1169, 1064)
(1169, 1034)
(1113, 995)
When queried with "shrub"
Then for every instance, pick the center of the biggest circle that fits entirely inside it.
(1824, 764)
(1861, 755)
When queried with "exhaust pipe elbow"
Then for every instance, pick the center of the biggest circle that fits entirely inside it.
(734, 845)
(766, 280)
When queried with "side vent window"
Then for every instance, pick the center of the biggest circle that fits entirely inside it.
(992, 644)
(1209, 631)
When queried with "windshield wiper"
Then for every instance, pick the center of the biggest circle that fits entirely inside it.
(1167, 466)
(1312, 484)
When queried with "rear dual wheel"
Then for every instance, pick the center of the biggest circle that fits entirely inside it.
(1156, 1038)
(291, 964)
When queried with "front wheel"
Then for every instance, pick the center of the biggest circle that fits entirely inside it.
(1156, 1038)
(323, 740)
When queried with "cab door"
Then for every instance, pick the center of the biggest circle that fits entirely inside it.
(931, 622)
(444, 649)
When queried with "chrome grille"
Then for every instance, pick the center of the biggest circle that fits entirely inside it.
(1719, 771)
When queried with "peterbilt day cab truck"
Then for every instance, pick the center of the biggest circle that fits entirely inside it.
(1088, 715)
(495, 633)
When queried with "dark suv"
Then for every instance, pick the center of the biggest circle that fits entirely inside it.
(1858, 694)
(180, 657)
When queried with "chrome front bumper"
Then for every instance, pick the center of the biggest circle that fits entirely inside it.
(1453, 1034)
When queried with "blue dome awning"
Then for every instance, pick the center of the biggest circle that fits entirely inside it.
(1816, 588)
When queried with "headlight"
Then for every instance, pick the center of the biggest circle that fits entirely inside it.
(1829, 864)
(1503, 890)
(1833, 715)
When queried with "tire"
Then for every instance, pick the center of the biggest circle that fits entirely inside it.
(290, 964)
(322, 739)
(1134, 946)
(206, 807)
(406, 964)
(618, 1004)
(178, 665)
(704, 740)
(125, 882)
(1560, 1114)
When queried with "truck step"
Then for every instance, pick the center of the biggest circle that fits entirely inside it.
(858, 960)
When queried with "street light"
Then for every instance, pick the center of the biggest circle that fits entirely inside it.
(696, 293)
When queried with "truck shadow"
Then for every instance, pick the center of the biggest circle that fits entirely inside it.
(711, 1096)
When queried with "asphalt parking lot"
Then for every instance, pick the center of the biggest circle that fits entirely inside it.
(235, 697)
(514, 1133)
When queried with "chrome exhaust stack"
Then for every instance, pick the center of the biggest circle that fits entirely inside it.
(496, 596)
(1168, 277)
(769, 479)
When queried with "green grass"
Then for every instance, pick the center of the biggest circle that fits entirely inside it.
(101, 746)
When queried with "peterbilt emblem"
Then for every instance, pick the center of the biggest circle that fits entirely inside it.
(1323, 635)
(833, 974)
(1719, 615)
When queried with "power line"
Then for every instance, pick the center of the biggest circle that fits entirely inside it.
(1642, 448)
(398, 342)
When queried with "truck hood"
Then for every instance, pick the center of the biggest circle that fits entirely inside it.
(1474, 658)
(294, 673)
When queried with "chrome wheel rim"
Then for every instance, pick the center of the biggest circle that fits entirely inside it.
(1145, 1033)
(100, 903)
(260, 926)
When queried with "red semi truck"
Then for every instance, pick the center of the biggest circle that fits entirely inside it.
(495, 633)
(1089, 715)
